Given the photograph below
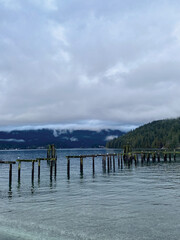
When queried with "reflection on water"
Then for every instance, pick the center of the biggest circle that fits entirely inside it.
(139, 201)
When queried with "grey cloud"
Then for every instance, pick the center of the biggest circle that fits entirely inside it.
(73, 62)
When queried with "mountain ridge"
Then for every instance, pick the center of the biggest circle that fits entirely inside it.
(62, 138)
(157, 134)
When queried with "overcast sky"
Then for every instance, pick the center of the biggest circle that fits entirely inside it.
(89, 63)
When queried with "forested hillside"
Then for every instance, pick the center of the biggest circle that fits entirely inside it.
(61, 138)
(158, 134)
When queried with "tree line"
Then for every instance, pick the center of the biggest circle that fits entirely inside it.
(157, 134)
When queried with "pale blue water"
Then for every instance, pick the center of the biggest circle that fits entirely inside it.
(134, 203)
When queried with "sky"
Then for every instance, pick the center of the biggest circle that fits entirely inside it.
(88, 63)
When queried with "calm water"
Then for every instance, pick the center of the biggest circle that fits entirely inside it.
(134, 203)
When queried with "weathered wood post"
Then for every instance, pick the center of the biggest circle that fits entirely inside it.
(32, 176)
(165, 157)
(142, 157)
(174, 155)
(39, 168)
(137, 157)
(169, 157)
(103, 163)
(118, 160)
(93, 165)
(19, 171)
(132, 158)
(108, 163)
(135, 160)
(10, 174)
(148, 157)
(114, 164)
(129, 159)
(121, 161)
(81, 165)
(124, 157)
(55, 166)
(68, 167)
(51, 169)
(104, 159)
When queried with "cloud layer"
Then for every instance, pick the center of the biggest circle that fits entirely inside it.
(67, 62)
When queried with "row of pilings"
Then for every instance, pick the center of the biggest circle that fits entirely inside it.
(148, 157)
(51, 161)
(109, 161)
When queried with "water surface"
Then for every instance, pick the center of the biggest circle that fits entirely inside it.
(139, 203)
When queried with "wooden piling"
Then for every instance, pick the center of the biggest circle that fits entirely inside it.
(123, 156)
(142, 157)
(129, 159)
(48, 153)
(104, 159)
(169, 157)
(39, 168)
(93, 165)
(19, 171)
(68, 167)
(55, 167)
(165, 157)
(121, 161)
(32, 176)
(174, 155)
(114, 163)
(81, 165)
(108, 163)
(135, 160)
(51, 169)
(118, 160)
(148, 157)
(10, 174)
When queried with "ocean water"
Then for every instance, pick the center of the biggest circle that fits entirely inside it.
(136, 203)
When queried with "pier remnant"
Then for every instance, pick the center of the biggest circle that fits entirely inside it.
(10, 169)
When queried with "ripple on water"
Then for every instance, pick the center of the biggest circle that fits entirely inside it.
(137, 203)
